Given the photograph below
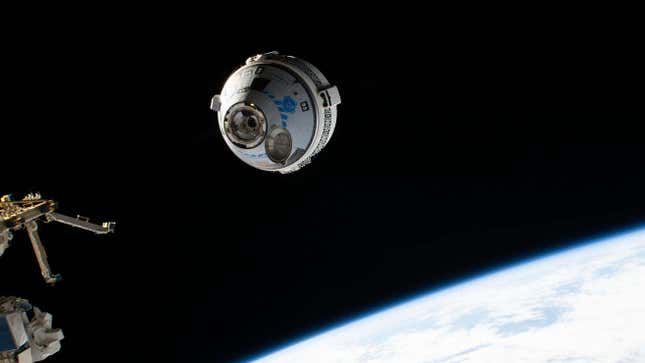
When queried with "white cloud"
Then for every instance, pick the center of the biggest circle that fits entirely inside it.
(517, 315)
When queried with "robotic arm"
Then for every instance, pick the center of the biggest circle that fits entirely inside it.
(82, 223)
(16, 215)
(26, 333)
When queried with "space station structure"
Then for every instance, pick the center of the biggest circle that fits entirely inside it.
(25, 214)
(26, 333)
(277, 112)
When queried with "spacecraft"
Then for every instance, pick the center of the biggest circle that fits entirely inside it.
(25, 214)
(26, 333)
(276, 112)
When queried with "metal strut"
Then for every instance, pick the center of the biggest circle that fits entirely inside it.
(5, 237)
(78, 222)
(41, 254)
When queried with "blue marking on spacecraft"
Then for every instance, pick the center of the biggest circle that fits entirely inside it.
(285, 106)
(288, 104)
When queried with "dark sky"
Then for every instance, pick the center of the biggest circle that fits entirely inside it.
(458, 150)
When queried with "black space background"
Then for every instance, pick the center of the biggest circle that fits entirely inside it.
(460, 147)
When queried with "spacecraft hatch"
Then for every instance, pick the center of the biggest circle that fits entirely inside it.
(276, 112)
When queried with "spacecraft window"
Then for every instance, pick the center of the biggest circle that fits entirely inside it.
(279, 145)
(259, 84)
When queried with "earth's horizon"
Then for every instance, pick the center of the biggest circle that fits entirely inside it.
(583, 304)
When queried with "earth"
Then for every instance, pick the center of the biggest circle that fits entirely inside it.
(585, 304)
